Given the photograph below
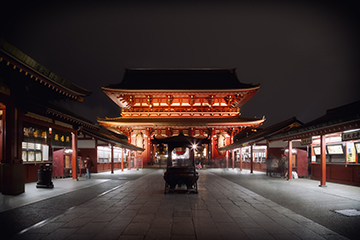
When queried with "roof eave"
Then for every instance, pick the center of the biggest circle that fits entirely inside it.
(23, 61)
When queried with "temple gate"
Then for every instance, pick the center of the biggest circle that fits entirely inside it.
(166, 102)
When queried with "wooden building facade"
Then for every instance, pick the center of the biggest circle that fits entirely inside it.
(33, 127)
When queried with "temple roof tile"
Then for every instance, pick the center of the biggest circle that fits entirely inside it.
(20, 60)
(180, 79)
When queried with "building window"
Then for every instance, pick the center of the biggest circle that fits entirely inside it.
(103, 156)
(116, 156)
(34, 152)
(34, 144)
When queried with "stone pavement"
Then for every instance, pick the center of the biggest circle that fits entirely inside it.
(139, 209)
(305, 197)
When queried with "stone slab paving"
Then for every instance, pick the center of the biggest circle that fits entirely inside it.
(139, 209)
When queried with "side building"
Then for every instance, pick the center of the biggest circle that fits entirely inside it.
(167, 102)
(251, 148)
(35, 131)
(333, 145)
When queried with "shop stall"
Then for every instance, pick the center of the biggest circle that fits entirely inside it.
(299, 161)
(341, 154)
(107, 150)
(62, 166)
(332, 142)
(251, 149)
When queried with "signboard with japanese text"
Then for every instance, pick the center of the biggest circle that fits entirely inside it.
(306, 141)
(351, 135)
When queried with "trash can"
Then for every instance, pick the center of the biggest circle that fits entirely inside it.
(45, 176)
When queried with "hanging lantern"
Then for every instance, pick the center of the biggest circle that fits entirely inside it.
(180, 150)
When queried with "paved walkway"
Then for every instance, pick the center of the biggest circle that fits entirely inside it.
(63, 186)
(139, 209)
(304, 196)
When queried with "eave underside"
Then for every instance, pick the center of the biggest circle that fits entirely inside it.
(175, 98)
(58, 86)
(306, 133)
(339, 119)
(181, 122)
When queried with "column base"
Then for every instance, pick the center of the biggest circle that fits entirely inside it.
(12, 178)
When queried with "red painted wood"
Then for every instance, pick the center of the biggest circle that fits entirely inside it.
(252, 159)
(31, 172)
(112, 159)
(338, 173)
(290, 160)
(122, 159)
(302, 163)
(323, 160)
(241, 161)
(74, 154)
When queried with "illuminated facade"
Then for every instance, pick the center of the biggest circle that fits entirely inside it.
(333, 145)
(166, 102)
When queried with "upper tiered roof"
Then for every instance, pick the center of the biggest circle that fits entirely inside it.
(180, 90)
(180, 79)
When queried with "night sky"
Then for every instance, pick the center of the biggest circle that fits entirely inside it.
(305, 55)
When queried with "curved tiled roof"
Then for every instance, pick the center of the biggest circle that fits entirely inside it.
(180, 79)
(345, 116)
(53, 79)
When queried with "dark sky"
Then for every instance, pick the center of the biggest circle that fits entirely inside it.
(305, 55)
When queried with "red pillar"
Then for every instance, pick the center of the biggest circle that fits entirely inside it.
(112, 159)
(129, 160)
(232, 141)
(290, 160)
(213, 147)
(233, 159)
(74, 154)
(251, 158)
(12, 177)
(122, 159)
(240, 159)
(147, 150)
(323, 160)
(227, 158)
(153, 149)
